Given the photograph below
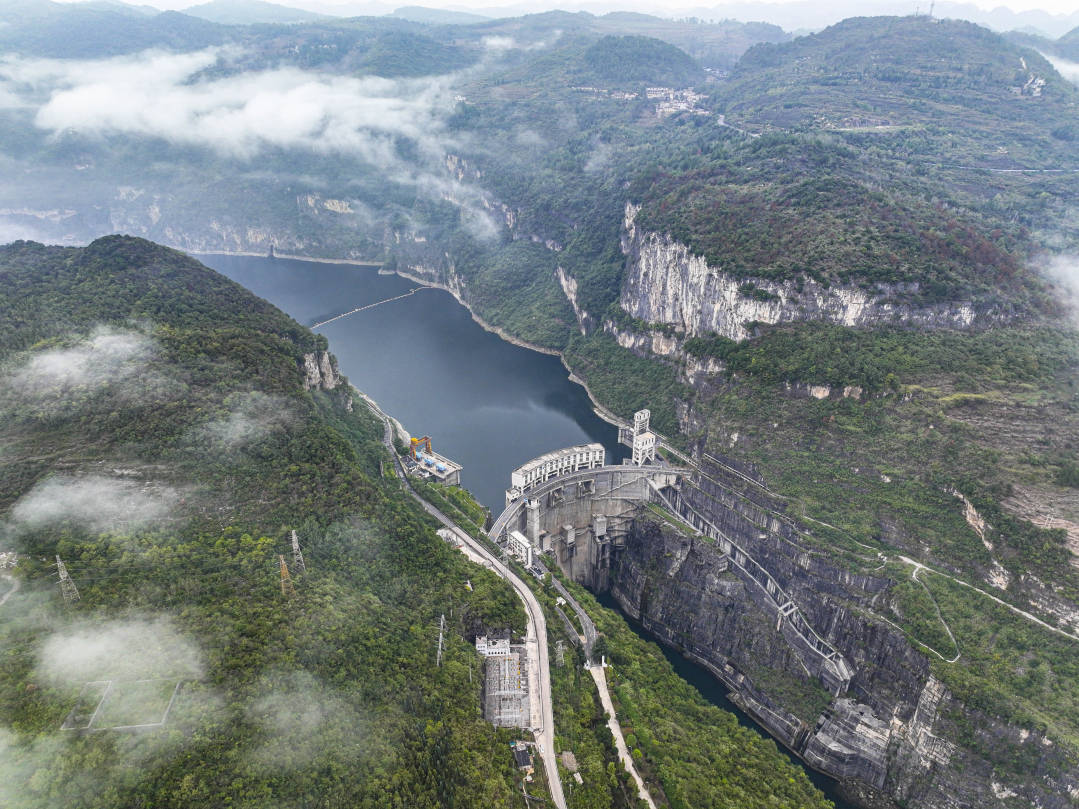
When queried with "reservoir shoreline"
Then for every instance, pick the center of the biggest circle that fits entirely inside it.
(597, 406)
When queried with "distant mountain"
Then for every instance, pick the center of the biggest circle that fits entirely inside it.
(713, 45)
(809, 15)
(908, 73)
(244, 12)
(437, 16)
(80, 31)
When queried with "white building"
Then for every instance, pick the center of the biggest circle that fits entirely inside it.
(553, 464)
(493, 647)
(520, 547)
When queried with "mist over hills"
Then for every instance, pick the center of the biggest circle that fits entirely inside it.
(847, 258)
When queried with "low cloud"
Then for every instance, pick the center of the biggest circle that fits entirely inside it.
(94, 502)
(1063, 271)
(136, 649)
(253, 417)
(106, 356)
(118, 363)
(35, 769)
(1069, 70)
(242, 115)
(302, 719)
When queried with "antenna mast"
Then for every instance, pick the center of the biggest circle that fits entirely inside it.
(286, 580)
(297, 557)
(67, 586)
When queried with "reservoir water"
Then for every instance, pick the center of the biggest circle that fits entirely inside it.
(486, 404)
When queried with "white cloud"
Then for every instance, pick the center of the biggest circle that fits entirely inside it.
(301, 719)
(164, 95)
(96, 502)
(253, 417)
(119, 363)
(241, 115)
(106, 356)
(136, 649)
(1069, 70)
(1063, 271)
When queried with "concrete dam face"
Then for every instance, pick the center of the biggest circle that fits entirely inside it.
(708, 561)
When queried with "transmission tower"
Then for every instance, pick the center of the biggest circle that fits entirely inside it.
(286, 580)
(67, 586)
(297, 557)
(560, 653)
(441, 629)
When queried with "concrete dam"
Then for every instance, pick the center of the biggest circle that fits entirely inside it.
(691, 551)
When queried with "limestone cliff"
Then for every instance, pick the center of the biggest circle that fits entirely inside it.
(320, 371)
(665, 282)
(893, 732)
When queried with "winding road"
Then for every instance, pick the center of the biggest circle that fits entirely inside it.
(599, 675)
(539, 669)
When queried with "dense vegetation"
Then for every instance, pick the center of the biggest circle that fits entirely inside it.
(331, 694)
(135, 376)
(924, 161)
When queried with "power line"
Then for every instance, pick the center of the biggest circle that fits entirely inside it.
(297, 557)
(67, 586)
(287, 590)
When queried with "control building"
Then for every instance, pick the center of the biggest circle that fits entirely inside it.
(554, 464)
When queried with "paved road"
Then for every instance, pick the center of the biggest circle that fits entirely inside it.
(586, 621)
(539, 669)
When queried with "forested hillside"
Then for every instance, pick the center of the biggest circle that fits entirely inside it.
(846, 258)
(157, 436)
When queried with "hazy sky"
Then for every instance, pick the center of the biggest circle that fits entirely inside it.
(652, 6)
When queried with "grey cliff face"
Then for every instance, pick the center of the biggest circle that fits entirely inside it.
(320, 371)
(894, 731)
(665, 282)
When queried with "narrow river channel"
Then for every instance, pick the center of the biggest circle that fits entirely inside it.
(485, 403)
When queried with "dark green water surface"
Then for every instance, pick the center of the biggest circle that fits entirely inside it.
(486, 404)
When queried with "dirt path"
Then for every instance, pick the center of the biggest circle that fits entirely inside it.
(616, 730)
(14, 589)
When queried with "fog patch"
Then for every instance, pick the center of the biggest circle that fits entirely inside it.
(302, 720)
(14, 231)
(38, 771)
(396, 125)
(1063, 272)
(95, 502)
(110, 361)
(1069, 70)
(254, 416)
(599, 159)
(134, 649)
(20, 765)
(499, 43)
(106, 356)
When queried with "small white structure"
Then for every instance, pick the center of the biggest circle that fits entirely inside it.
(520, 547)
(644, 440)
(493, 647)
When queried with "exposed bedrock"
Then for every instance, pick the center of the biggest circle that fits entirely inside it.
(665, 282)
(895, 731)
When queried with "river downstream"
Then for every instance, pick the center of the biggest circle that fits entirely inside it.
(486, 403)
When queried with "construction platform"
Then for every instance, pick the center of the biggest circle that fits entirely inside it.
(424, 462)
